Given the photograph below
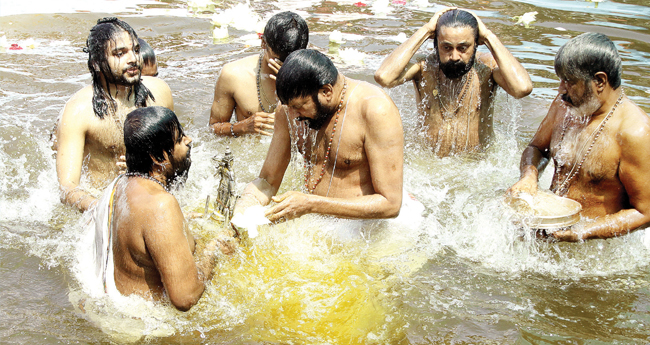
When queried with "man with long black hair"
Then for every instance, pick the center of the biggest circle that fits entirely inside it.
(455, 86)
(89, 130)
(143, 246)
(247, 86)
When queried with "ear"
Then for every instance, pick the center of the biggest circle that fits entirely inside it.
(600, 81)
(263, 42)
(327, 91)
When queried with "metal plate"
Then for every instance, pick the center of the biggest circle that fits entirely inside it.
(545, 210)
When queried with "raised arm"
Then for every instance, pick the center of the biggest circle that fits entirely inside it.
(508, 73)
(170, 251)
(383, 145)
(397, 69)
(71, 139)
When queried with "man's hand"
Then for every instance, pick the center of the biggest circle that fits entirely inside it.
(290, 205)
(483, 31)
(433, 22)
(566, 236)
(527, 184)
(275, 65)
(259, 123)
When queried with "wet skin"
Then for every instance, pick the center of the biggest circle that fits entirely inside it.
(470, 127)
(236, 89)
(153, 251)
(367, 181)
(84, 138)
(613, 184)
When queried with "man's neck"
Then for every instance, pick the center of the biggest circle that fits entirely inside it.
(610, 97)
(120, 93)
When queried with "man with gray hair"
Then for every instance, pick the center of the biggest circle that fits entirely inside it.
(599, 141)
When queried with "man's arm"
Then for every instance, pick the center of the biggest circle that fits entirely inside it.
(260, 191)
(508, 73)
(537, 154)
(71, 140)
(224, 103)
(634, 174)
(165, 240)
(397, 69)
(384, 145)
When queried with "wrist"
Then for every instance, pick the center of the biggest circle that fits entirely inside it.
(232, 130)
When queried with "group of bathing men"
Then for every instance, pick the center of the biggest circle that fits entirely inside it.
(349, 133)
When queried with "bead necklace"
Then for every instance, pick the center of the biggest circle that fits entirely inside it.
(466, 85)
(259, 92)
(329, 145)
(146, 176)
(564, 186)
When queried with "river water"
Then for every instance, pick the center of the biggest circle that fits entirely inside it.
(464, 275)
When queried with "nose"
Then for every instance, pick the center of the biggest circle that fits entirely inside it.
(562, 89)
(455, 55)
(187, 140)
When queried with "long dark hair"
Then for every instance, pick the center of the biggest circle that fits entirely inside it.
(148, 133)
(105, 31)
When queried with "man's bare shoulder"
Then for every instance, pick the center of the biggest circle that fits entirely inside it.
(160, 91)
(635, 125)
(151, 203)
(239, 67)
(80, 106)
(375, 102)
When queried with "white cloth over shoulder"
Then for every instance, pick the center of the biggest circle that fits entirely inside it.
(95, 249)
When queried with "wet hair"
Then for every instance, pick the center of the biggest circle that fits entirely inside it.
(147, 53)
(148, 133)
(587, 54)
(303, 73)
(286, 32)
(457, 19)
(96, 44)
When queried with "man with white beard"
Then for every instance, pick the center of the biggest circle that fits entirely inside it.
(599, 141)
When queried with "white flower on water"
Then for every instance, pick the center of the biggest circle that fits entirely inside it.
(3, 42)
(351, 56)
(30, 43)
(220, 32)
(526, 18)
(336, 37)
(240, 17)
(381, 8)
(401, 37)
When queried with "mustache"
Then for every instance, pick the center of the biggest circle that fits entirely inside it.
(131, 65)
(565, 97)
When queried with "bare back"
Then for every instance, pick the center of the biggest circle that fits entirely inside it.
(150, 237)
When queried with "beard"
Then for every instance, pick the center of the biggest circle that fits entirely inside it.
(323, 114)
(582, 106)
(456, 69)
(123, 79)
(178, 173)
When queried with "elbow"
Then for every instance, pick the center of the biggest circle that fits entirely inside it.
(523, 91)
(185, 303)
(393, 209)
(381, 78)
